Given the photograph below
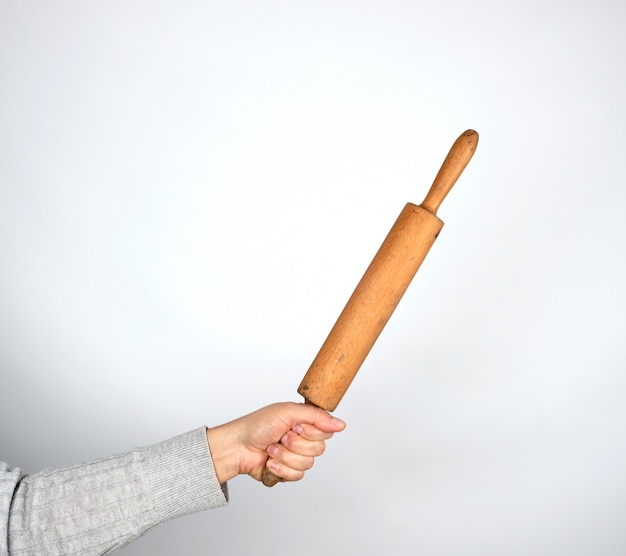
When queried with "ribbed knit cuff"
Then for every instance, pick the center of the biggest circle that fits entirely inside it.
(181, 476)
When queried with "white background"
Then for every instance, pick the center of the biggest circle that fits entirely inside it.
(189, 192)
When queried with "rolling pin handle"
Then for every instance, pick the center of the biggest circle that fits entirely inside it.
(459, 156)
(269, 479)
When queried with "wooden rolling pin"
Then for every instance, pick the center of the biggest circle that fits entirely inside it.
(380, 290)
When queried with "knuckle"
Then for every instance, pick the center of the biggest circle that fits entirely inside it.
(287, 440)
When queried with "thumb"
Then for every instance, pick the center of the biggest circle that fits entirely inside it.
(318, 417)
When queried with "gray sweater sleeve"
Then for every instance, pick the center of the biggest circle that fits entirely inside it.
(98, 507)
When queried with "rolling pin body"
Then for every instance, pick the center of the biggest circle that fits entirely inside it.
(370, 307)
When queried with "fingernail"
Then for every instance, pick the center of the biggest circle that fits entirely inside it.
(272, 450)
(273, 465)
(337, 421)
(298, 429)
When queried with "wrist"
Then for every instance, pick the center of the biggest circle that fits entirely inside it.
(222, 446)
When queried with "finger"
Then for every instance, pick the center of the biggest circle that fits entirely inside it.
(313, 415)
(292, 460)
(285, 473)
(299, 445)
(310, 432)
(324, 421)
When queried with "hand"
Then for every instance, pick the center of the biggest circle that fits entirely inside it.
(292, 435)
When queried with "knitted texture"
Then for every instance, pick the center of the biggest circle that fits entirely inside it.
(98, 507)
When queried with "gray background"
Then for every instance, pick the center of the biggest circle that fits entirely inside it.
(190, 190)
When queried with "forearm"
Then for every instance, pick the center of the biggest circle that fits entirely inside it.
(100, 506)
